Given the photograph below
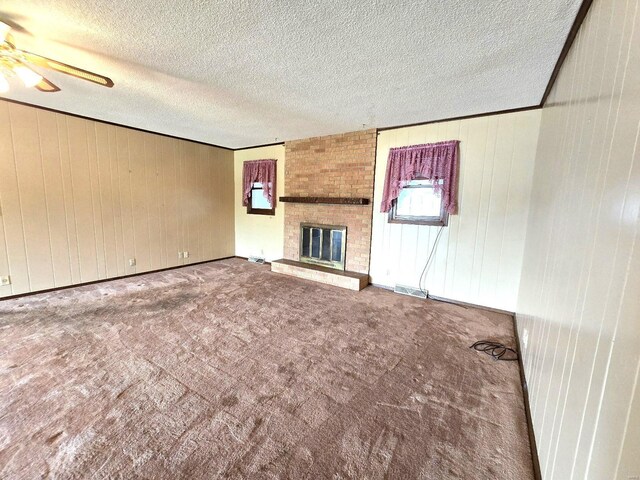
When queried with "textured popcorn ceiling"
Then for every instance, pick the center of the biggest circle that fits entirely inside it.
(239, 73)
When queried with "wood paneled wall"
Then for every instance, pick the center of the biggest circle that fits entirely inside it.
(479, 255)
(80, 198)
(579, 306)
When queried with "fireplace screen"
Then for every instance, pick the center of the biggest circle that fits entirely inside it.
(323, 245)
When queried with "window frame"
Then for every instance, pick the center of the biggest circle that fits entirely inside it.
(259, 211)
(441, 221)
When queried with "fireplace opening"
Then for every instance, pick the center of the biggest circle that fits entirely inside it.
(323, 245)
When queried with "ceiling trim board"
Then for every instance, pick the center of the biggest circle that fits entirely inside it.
(259, 146)
(464, 117)
(84, 117)
(575, 28)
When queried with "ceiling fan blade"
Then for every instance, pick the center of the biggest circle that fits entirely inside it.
(67, 69)
(46, 86)
(8, 38)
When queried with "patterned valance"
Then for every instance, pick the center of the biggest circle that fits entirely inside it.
(262, 171)
(432, 161)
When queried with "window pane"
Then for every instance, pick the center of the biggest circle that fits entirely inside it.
(258, 200)
(326, 244)
(306, 233)
(315, 242)
(336, 251)
(418, 201)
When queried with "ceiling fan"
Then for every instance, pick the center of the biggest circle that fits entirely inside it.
(17, 62)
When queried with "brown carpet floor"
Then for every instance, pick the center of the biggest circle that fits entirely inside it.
(226, 370)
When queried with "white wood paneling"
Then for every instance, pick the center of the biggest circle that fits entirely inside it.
(479, 255)
(80, 198)
(579, 302)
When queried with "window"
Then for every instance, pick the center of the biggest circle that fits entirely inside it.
(419, 204)
(258, 178)
(258, 204)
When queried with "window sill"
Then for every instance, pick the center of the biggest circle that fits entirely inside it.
(420, 222)
(259, 211)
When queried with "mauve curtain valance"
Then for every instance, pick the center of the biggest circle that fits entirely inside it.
(433, 161)
(262, 171)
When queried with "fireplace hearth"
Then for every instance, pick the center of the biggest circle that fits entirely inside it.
(323, 245)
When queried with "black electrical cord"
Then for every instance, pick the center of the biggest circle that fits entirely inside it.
(426, 265)
(498, 351)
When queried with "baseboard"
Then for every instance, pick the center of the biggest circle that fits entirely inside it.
(454, 302)
(472, 305)
(102, 280)
(527, 408)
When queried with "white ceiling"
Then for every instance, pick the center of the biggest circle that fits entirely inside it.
(246, 72)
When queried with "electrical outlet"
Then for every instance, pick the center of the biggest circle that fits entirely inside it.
(180, 255)
(132, 262)
(525, 338)
(6, 280)
(186, 254)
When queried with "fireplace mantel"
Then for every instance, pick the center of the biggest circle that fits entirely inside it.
(327, 200)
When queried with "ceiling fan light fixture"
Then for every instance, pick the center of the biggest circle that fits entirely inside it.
(4, 84)
(17, 62)
(28, 76)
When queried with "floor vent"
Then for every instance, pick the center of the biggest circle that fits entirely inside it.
(411, 291)
(259, 260)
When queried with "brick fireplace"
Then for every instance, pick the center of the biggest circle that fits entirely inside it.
(331, 166)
